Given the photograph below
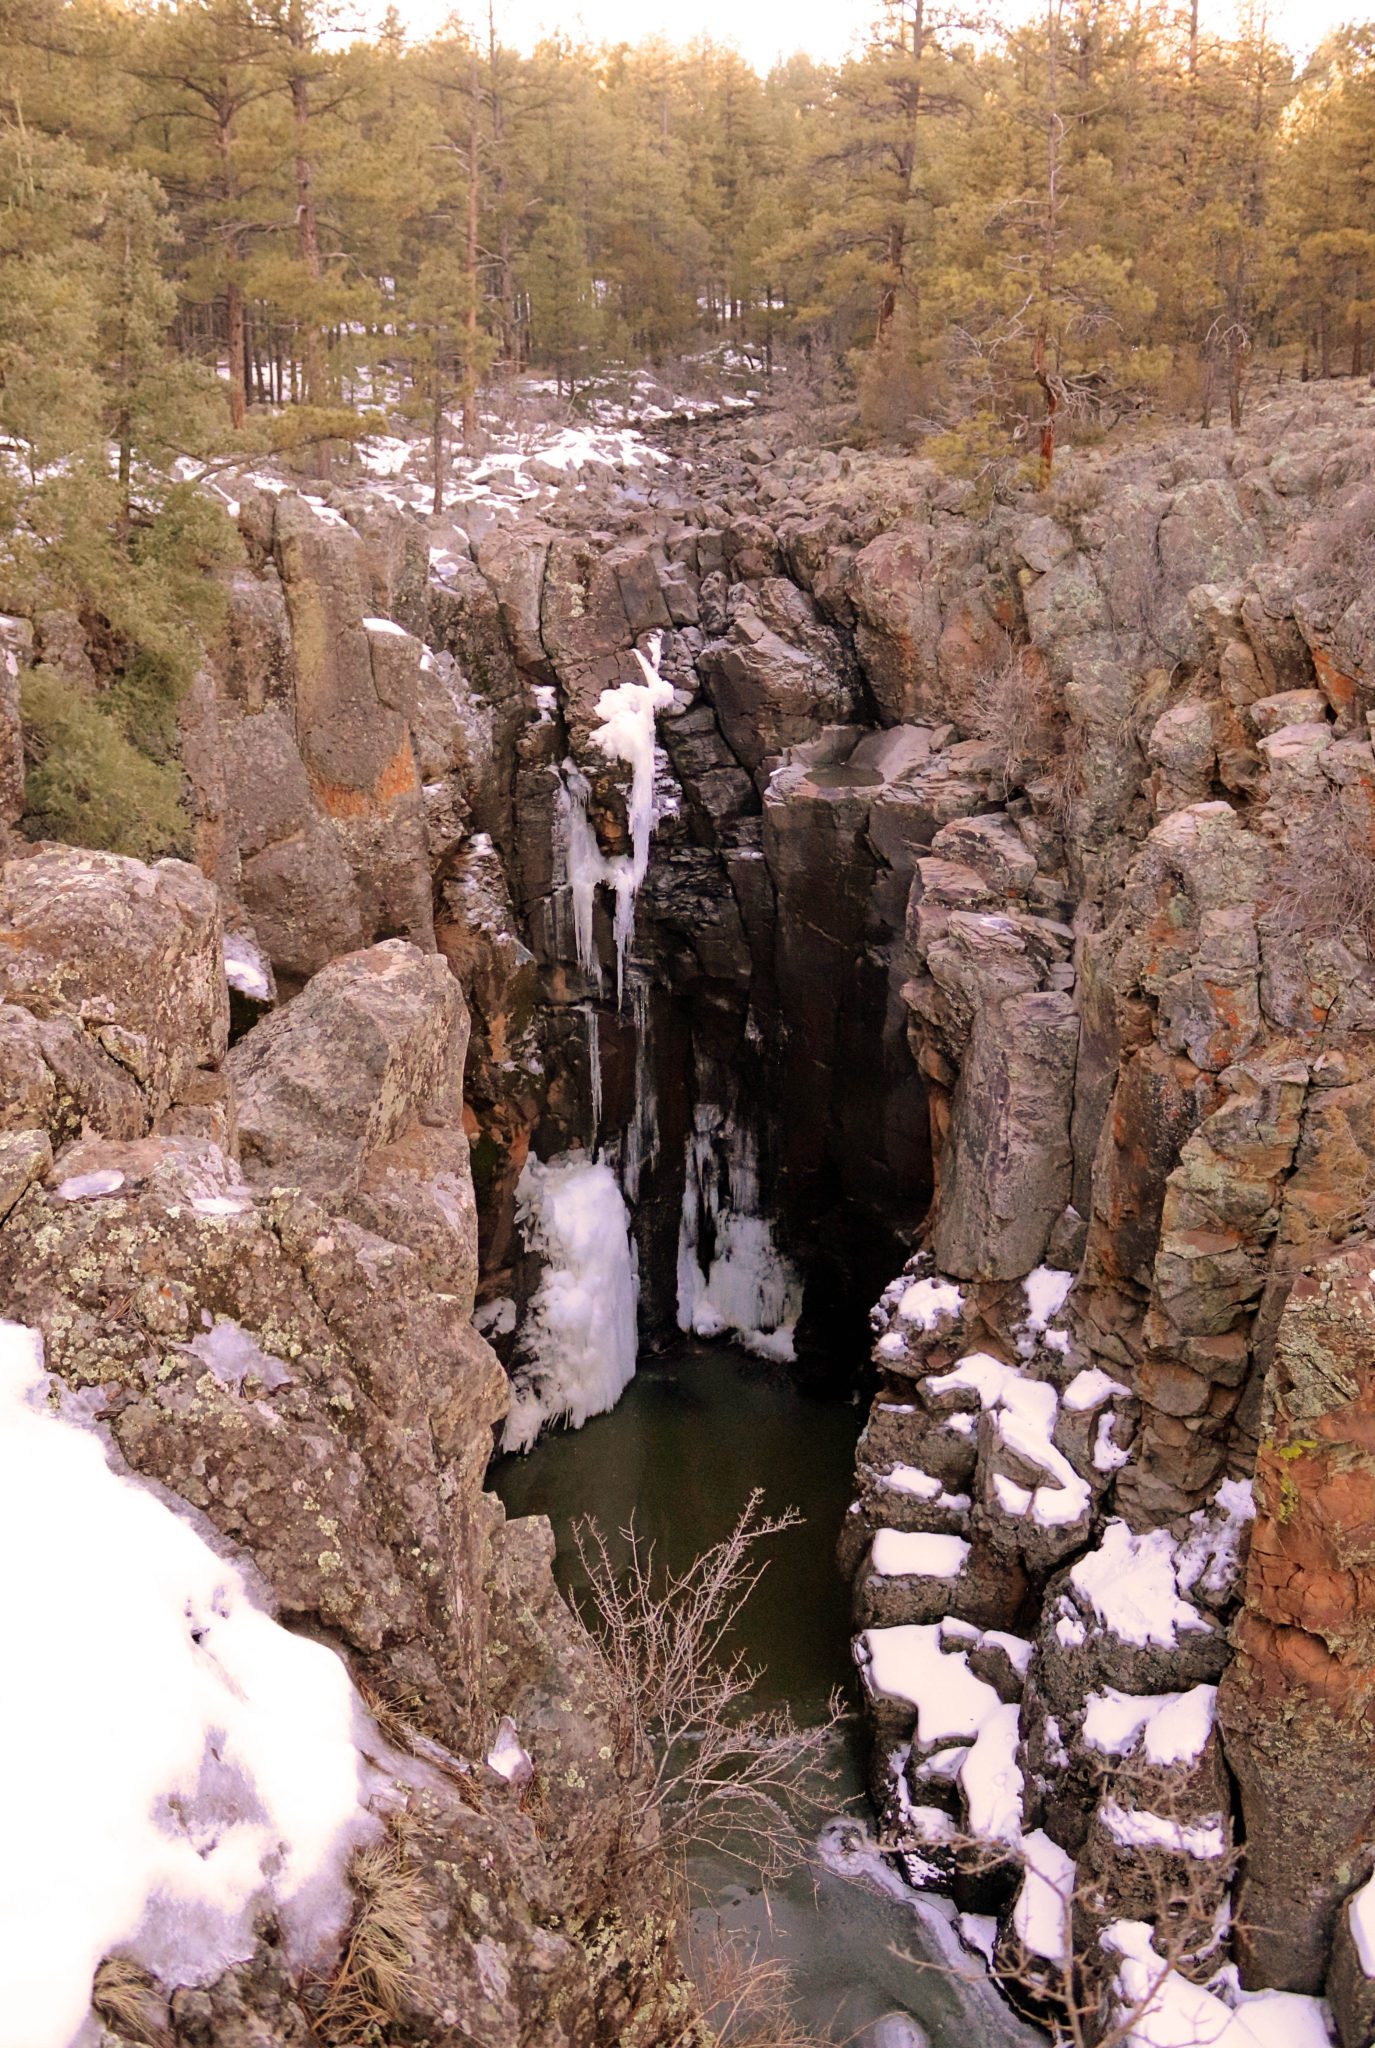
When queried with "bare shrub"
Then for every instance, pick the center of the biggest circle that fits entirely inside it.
(386, 1943)
(1324, 884)
(699, 1765)
(1014, 705)
(1076, 1995)
(746, 1997)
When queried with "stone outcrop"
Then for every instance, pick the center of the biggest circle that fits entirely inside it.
(270, 1320)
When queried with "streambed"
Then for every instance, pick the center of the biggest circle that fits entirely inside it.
(697, 1429)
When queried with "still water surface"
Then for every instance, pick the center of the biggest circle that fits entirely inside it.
(695, 1432)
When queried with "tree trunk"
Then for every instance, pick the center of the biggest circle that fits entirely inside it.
(471, 267)
(437, 446)
(234, 316)
(1357, 346)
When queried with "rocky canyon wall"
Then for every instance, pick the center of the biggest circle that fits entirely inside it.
(1000, 918)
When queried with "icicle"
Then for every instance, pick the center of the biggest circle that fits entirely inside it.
(593, 1025)
(642, 1136)
(626, 733)
(739, 1281)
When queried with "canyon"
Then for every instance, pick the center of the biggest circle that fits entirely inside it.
(775, 892)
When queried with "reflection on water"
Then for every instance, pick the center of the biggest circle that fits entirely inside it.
(696, 1431)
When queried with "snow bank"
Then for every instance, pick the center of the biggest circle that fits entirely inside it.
(1161, 2009)
(579, 1337)
(172, 1758)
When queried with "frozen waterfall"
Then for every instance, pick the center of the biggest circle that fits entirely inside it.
(578, 1339)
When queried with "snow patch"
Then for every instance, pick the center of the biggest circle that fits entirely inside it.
(220, 1774)
(1131, 1584)
(1041, 1915)
(83, 1187)
(1161, 2009)
(902, 1553)
(1173, 1726)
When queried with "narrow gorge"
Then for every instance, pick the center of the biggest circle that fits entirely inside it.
(764, 894)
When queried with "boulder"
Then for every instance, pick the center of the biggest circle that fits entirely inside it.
(370, 1050)
(122, 960)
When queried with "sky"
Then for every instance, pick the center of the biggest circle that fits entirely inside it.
(764, 30)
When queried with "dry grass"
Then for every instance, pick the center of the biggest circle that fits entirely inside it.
(1324, 883)
(1014, 704)
(386, 1943)
(126, 2000)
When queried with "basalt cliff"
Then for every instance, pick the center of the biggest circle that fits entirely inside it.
(965, 905)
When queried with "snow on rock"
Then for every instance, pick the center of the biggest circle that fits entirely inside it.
(912, 1662)
(507, 1756)
(1046, 1290)
(1208, 1561)
(924, 1486)
(1158, 2008)
(246, 967)
(1089, 1389)
(1024, 1412)
(1041, 1914)
(1362, 1920)
(898, 1553)
(1172, 1727)
(747, 1289)
(927, 1301)
(1131, 1584)
(1137, 1828)
(578, 1339)
(84, 1187)
(387, 628)
(173, 1762)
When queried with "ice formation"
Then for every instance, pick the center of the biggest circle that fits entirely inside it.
(642, 1135)
(172, 1758)
(625, 733)
(592, 1026)
(731, 1276)
(578, 1338)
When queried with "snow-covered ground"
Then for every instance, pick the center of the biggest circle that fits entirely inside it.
(171, 1760)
